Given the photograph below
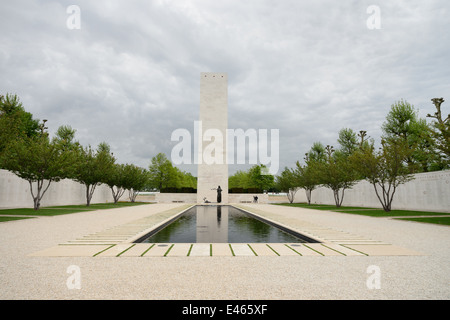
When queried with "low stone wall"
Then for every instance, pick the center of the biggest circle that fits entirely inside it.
(247, 197)
(176, 197)
(429, 191)
(192, 198)
(15, 193)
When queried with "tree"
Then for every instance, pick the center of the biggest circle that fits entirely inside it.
(337, 173)
(15, 122)
(162, 173)
(259, 178)
(135, 180)
(385, 169)
(402, 122)
(309, 174)
(38, 161)
(64, 141)
(441, 133)
(116, 180)
(94, 167)
(287, 181)
(238, 180)
(348, 141)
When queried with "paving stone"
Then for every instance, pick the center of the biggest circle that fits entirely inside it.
(342, 249)
(179, 250)
(137, 250)
(323, 249)
(242, 249)
(300, 248)
(70, 251)
(262, 249)
(221, 249)
(200, 249)
(158, 250)
(382, 250)
(282, 250)
(115, 250)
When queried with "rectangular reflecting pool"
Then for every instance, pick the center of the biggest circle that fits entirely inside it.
(221, 224)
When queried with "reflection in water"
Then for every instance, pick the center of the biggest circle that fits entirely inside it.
(214, 224)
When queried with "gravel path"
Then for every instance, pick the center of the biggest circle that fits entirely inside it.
(330, 277)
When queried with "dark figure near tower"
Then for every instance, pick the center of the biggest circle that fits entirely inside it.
(219, 194)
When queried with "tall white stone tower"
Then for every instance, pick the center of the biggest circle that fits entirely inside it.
(212, 142)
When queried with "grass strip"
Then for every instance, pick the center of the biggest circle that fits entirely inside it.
(273, 250)
(314, 250)
(59, 210)
(371, 212)
(190, 248)
(103, 250)
(252, 249)
(4, 219)
(293, 250)
(231, 248)
(126, 250)
(168, 250)
(436, 220)
(147, 249)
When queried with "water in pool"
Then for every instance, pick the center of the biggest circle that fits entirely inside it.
(215, 224)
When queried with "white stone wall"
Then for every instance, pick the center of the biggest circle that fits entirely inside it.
(429, 191)
(15, 193)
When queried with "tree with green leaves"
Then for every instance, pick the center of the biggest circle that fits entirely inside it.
(337, 173)
(37, 160)
(162, 173)
(309, 174)
(15, 122)
(260, 178)
(385, 169)
(116, 180)
(403, 122)
(288, 182)
(94, 167)
(441, 133)
(239, 179)
(135, 180)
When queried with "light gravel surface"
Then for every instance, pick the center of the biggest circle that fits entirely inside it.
(289, 277)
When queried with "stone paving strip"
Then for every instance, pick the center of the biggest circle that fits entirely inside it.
(118, 242)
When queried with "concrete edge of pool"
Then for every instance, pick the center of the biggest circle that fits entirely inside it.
(120, 241)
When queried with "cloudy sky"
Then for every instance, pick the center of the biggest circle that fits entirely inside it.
(130, 74)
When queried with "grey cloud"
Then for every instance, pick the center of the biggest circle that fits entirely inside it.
(130, 75)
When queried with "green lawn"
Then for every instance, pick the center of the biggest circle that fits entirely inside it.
(4, 219)
(436, 220)
(58, 210)
(375, 212)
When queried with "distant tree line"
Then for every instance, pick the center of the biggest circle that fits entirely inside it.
(408, 145)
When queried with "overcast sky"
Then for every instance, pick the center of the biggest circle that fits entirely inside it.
(130, 74)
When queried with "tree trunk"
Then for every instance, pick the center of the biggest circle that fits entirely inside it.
(117, 194)
(308, 196)
(89, 193)
(132, 195)
(39, 193)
